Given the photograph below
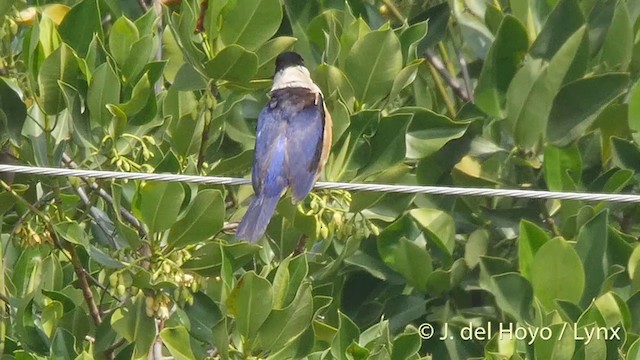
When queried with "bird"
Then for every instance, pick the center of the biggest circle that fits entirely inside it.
(293, 139)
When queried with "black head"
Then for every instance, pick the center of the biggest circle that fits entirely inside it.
(287, 59)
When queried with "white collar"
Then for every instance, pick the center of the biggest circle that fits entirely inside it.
(294, 76)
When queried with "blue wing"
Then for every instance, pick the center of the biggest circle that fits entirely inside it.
(304, 146)
(269, 173)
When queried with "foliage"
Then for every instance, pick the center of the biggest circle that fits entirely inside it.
(537, 94)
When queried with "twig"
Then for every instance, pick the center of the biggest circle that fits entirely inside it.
(93, 211)
(203, 142)
(302, 243)
(443, 92)
(394, 10)
(437, 64)
(111, 349)
(204, 5)
(156, 353)
(464, 68)
(143, 5)
(4, 299)
(84, 285)
(126, 215)
(229, 227)
(157, 7)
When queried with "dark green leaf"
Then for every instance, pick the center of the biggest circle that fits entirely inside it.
(565, 19)
(250, 303)
(177, 340)
(578, 103)
(61, 65)
(251, 22)
(372, 64)
(204, 218)
(158, 204)
(104, 89)
(14, 110)
(233, 63)
(500, 66)
(86, 16)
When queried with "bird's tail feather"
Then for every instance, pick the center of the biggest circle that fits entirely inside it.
(255, 221)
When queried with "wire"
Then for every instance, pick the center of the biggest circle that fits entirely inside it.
(407, 189)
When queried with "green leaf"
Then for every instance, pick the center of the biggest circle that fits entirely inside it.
(500, 66)
(177, 340)
(514, 295)
(350, 34)
(531, 238)
(104, 89)
(557, 273)
(559, 347)
(250, 303)
(429, 132)
(531, 93)
(408, 258)
(565, 19)
(7, 200)
(133, 324)
(591, 246)
(406, 345)
(438, 17)
(331, 79)
(14, 110)
(61, 65)
(475, 247)
(404, 78)
(124, 34)
(439, 226)
(158, 204)
(5, 6)
(562, 167)
(343, 161)
(141, 107)
(347, 334)
(625, 154)
(63, 345)
(204, 218)
(233, 63)
(84, 15)
(409, 39)
(300, 14)
(578, 103)
(250, 23)
(186, 137)
(372, 64)
(189, 79)
(142, 52)
(618, 44)
(634, 111)
(285, 325)
(203, 315)
(73, 232)
(269, 51)
(388, 146)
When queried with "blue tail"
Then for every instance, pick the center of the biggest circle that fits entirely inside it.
(255, 221)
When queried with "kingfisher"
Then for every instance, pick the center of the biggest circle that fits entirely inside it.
(293, 139)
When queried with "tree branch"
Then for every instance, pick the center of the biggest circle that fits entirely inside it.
(126, 215)
(84, 284)
(437, 64)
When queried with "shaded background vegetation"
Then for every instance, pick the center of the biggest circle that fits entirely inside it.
(535, 94)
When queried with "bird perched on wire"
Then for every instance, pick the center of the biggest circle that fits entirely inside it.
(293, 138)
